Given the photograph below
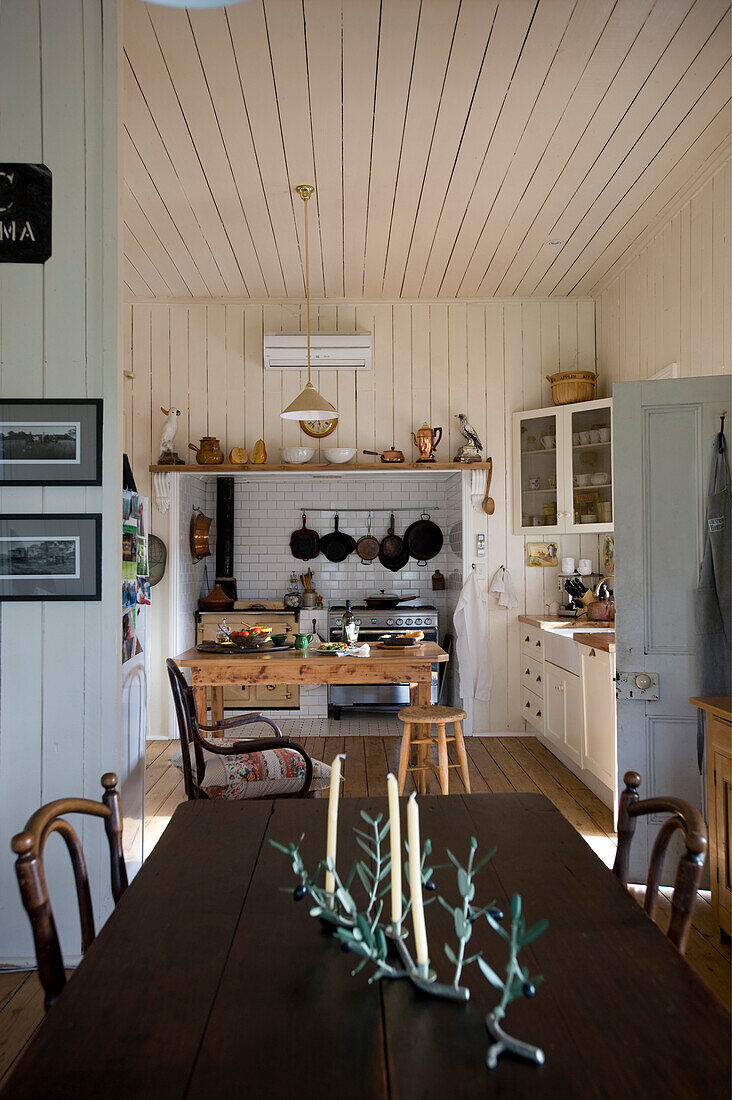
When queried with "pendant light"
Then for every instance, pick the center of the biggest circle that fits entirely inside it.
(309, 405)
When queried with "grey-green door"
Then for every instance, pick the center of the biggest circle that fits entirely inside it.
(664, 436)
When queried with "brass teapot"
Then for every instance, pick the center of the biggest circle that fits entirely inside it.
(426, 441)
(209, 453)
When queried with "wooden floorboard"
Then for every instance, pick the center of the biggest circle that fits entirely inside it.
(496, 765)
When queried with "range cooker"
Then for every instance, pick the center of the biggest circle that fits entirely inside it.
(373, 624)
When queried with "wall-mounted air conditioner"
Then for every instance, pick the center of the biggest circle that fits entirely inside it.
(328, 350)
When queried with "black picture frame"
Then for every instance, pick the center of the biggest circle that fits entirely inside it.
(71, 568)
(72, 459)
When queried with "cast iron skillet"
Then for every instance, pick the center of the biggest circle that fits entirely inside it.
(423, 539)
(304, 543)
(393, 554)
(337, 545)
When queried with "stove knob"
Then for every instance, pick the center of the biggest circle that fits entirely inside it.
(417, 622)
(408, 622)
(399, 622)
(389, 622)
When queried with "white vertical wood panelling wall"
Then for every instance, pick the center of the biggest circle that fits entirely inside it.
(59, 662)
(672, 303)
(432, 360)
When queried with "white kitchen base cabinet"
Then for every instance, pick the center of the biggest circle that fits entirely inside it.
(573, 715)
(563, 700)
(598, 704)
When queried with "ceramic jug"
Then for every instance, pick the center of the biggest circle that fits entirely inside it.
(426, 440)
(209, 453)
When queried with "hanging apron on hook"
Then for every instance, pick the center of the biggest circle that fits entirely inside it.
(714, 592)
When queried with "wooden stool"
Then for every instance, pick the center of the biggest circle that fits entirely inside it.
(426, 717)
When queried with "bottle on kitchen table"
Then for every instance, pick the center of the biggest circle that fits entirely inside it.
(349, 626)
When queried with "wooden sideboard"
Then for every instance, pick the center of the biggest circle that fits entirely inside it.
(718, 709)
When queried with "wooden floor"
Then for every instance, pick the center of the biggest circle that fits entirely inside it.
(496, 764)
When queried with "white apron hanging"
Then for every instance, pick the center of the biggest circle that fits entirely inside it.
(471, 642)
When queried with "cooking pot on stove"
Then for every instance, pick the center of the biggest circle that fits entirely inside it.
(385, 601)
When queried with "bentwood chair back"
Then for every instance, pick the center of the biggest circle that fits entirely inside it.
(29, 848)
(691, 864)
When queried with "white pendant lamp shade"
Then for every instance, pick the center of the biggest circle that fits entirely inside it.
(308, 405)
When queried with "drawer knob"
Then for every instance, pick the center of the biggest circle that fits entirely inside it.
(538, 714)
(528, 706)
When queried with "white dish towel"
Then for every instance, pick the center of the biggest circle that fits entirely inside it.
(502, 588)
(471, 642)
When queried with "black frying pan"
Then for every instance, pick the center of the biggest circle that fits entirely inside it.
(304, 543)
(337, 545)
(423, 539)
(393, 554)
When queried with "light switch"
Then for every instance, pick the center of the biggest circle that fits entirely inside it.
(480, 546)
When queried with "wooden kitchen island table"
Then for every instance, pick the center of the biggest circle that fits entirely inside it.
(291, 666)
(209, 982)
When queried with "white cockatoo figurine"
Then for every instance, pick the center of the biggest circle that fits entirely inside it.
(471, 450)
(168, 453)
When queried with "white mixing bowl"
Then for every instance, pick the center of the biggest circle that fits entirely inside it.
(295, 456)
(338, 454)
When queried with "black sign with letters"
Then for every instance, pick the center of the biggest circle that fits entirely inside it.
(25, 213)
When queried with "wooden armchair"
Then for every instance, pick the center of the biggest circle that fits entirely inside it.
(691, 864)
(29, 847)
(189, 730)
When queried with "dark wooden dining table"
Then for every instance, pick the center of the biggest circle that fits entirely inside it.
(209, 980)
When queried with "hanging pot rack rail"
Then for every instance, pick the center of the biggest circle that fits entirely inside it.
(365, 511)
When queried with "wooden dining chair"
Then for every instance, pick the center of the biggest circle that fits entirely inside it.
(691, 864)
(29, 848)
(189, 730)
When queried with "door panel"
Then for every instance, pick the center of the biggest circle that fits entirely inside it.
(663, 435)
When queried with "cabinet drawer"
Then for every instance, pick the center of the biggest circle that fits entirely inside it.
(532, 674)
(532, 641)
(276, 695)
(532, 709)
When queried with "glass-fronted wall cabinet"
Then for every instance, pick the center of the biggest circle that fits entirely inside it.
(562, 469)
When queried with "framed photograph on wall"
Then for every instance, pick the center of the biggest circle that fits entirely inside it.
(51, 557)
(50, 441)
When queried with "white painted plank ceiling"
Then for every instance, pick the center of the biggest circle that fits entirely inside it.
(448, 140)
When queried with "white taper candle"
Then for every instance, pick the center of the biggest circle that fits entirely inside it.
(395, 836)
(331, 842)
(415, 883)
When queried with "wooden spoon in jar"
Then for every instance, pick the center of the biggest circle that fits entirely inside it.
(489, 504)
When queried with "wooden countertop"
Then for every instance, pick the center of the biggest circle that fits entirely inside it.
(720, 705)
(602, 639)
(547, 622)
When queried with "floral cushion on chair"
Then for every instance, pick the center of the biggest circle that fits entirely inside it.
(261, 774)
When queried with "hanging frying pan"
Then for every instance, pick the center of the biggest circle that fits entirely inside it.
(337, 545)
(423, 539)
(393, 554)
(304, 543)
(367, 546)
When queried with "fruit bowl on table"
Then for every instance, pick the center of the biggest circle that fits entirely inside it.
(256, 638)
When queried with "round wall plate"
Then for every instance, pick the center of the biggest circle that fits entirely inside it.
(319, 429)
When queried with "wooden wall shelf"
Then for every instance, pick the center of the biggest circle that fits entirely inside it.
(333, 468)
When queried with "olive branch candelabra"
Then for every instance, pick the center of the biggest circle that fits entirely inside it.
(359, 927)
